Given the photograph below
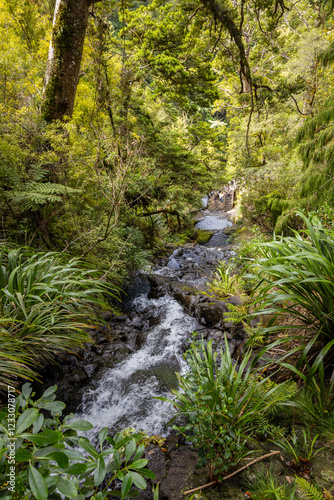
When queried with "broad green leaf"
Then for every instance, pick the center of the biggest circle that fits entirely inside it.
(55, 407)
(25, 420)
(45, 438)
(67, 487)
(126, 484)
(26, 390)
(102, 435)
(22, 455)
(48, 392)
(60, 458)
(130, 449)
(37, 483)
(100, 472)
(147, 473)
(79, 425)
(87, 446)
(138, 480)
(38, 424)
(75, 455)
(138, 464)
(76, 469)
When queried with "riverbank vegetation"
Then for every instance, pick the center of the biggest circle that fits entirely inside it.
(284, 381)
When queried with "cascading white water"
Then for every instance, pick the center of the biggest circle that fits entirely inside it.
(124, 397)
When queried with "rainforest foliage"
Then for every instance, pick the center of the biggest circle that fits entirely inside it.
(172, 99)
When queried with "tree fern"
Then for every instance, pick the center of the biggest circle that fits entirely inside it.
(317, 146)
(310, 492)
(36, 194)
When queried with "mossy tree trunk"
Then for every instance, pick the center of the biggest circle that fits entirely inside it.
(64, 59)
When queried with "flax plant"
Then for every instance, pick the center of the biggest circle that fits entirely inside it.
(46, 305)
(295, 280)
(222, 403)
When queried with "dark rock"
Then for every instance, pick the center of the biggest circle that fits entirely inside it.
(235, 300)
(173, 442)
(106, 315)
(157, 462)
(173, 264)
(120, 318)
(90, 370)
(183, 463)
(78, 377)
(212, 314)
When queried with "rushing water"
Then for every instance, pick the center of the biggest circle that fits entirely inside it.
(213, 222)
(124, 397)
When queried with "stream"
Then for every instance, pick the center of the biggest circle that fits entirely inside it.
(136, 354)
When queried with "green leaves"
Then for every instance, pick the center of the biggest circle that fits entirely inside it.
(52, 462)
(37, 483)
(297, 281)
(126, 484)
(79, 425)
(100, 472)
(46, 300)
(26, 420)
(222, 404)
(67, 487)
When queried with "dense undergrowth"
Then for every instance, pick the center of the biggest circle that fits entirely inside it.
(54, 460)
(229, 408)
(47, 303)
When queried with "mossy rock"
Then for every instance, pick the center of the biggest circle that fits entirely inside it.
(202, 236)
(230, 229)
(243, 234)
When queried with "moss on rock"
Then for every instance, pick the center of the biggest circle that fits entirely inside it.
(202, 236)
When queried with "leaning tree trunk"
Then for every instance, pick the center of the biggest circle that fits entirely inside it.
(64, 59)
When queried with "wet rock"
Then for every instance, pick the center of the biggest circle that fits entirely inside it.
(106, 315)
(136, 322)
(120, 318)
(78, 377)
(173, 264)
(182, 465)
(157, 462)
(211, 314)
(173, 442)
(90, 370)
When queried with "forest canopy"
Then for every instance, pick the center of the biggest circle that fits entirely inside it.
(107, 157)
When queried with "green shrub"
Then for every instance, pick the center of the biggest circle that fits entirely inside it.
(52, 461)
(222, 405)
(226, 281)
(265, 485)
(46, 305)
(295, 279)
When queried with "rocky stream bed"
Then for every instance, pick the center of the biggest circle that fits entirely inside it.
(136, 353)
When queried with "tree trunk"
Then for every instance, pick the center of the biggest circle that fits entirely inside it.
(64, 59)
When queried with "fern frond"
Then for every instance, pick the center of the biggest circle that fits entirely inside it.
(309, 490)
(35, 194)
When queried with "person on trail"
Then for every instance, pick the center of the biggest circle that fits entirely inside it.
(221, 197)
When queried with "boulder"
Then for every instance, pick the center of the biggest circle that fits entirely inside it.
(182, 464)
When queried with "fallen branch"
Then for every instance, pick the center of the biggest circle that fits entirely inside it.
(233, 473)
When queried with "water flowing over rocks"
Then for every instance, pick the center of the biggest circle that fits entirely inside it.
(136, 353)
